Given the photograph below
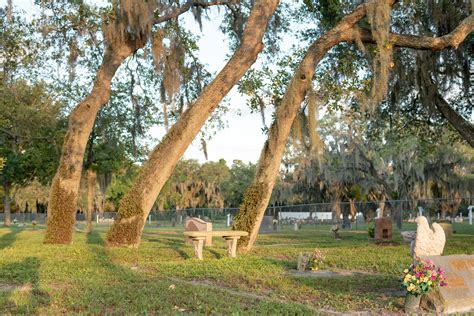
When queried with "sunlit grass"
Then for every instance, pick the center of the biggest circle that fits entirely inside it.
(87, 278)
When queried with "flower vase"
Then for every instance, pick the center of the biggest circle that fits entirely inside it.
(412, 302)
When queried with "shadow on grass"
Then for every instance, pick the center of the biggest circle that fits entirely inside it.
(9, 238)
(24, 277)
(360, 285)
(173, 243)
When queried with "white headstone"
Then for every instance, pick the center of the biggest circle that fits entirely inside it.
(438, 215)
(97, 218)
(228, 220)
(296, 226)
(378, 212)
(149, 219)
(470, 214)
(420, 209)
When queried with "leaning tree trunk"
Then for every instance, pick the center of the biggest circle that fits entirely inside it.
(91, 183)
(63, 195)
(257, 196)
(136, 205)
(7, 202)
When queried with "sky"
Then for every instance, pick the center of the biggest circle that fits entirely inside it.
(242, 139)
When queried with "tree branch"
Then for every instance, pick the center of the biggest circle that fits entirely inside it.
(451, 40)
(463, 127)
(174, 13)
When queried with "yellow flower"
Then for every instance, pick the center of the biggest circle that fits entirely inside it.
(411, 287)
(405, 271)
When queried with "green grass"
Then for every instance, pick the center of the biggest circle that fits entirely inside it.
(162, 276)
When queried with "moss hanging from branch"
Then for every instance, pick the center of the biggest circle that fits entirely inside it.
(157, 49)
(315, 140)
(133, 25)
(378, 14)
(172, 69)
(72, 59)
(297, 132)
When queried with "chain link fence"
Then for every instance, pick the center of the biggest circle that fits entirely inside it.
(348, 215)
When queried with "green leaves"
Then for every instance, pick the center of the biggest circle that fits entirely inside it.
(31, 132)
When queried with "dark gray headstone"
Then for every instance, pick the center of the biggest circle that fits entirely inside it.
(267, 225)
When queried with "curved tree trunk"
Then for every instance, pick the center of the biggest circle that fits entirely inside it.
(91, 183)
(136, 205)
(65, 185)
(257, 196)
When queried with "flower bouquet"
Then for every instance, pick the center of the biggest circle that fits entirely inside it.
(317, 259)
(418, 279)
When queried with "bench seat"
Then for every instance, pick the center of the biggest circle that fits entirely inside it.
(231, 236)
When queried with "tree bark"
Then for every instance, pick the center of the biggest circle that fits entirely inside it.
(7, 220)
(353, 209)
(65, 185)
(336, 210)
(257, 196)
(136, 205)
(91, 183)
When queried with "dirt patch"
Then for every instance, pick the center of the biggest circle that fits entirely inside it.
(249, 295)
(5, 287)
(330, 274)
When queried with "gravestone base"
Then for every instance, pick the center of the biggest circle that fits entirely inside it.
(458, 295)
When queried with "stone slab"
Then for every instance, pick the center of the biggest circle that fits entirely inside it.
(217, 233)
(458, 295)
(197, 224)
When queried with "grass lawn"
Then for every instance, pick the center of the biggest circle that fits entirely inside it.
(162, 276)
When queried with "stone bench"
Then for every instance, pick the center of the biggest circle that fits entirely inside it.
(231, 236)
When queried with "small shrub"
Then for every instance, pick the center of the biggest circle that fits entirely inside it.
(371, 230)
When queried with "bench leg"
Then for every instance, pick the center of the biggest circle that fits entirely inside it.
(198, 243)
(232, 246)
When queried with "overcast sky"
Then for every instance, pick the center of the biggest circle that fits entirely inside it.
(243, 138)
